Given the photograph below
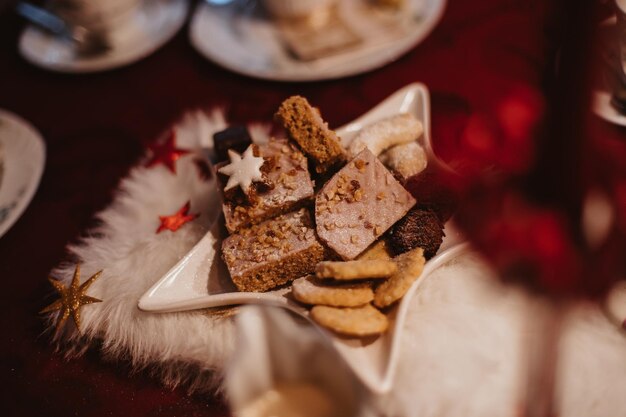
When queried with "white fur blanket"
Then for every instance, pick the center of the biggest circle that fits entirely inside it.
(460, 352)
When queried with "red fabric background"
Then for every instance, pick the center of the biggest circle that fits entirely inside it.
(96, 126)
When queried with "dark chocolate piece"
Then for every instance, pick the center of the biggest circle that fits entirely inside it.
(305, 126)
(236, 138)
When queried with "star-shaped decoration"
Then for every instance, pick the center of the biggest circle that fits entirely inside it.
(72, 298)
(243, 169)
(166, 153)
(177, 220)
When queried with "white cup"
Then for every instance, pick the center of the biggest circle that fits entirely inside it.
(295, 9)
(96, 14)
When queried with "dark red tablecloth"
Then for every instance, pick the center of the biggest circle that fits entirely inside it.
(97, 125)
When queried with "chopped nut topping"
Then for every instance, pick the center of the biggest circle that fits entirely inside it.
(361, 205)
(358, 195)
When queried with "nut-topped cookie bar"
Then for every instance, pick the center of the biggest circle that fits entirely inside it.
(286, 186)
(305, 126)
(358, 204)
(273, 253)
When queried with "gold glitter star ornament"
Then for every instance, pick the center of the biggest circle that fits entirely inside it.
(72, 298)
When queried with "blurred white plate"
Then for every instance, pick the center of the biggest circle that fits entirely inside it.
(24, 156)
(615, 304)
(154, 23)
(243, 40)
(199, 280)
(603, 108)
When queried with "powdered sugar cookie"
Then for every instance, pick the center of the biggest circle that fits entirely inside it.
(407, 160)
(386, 133)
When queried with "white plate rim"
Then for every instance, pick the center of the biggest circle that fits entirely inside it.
(33, 135)
(199, 44)
(78, 66)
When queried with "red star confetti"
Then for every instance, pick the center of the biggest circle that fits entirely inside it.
(166, 153)
(177, 220)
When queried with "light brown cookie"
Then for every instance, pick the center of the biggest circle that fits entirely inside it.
(305, 126)
(379, 250)
(361, 321)
(309, 290)
(359, 269)
(410, 266)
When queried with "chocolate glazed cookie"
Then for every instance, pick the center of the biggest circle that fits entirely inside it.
(420, 228)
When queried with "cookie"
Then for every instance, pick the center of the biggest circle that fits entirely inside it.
(305, 126)
(410, 266)
(290, 187)
(386, 133)
(309, 290)
(272, 253)
(360, 321)
(358, 269)
(235, 138)
(405, 160)
(358, 204)
(379, 250)
(418, 229)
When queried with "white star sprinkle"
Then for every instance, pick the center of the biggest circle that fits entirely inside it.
(242, 171)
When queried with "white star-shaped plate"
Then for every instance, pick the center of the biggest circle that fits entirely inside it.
(200, 280)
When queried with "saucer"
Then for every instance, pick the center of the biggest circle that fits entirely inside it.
(24, 156)
(241, 38)
(154, 23)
